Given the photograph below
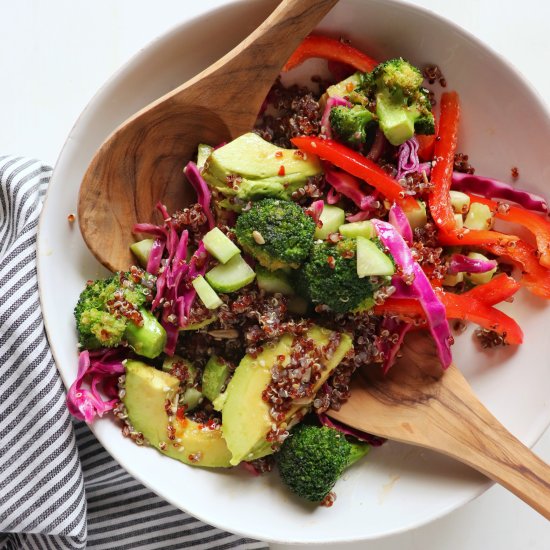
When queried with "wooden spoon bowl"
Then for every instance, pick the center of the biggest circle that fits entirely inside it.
(418, 403)
(142, 162)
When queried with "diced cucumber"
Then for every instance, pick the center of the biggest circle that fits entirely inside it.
(479, 217)
(141, 251)
(453, 280)
(459, 221)
(231, 276)
(357, 229)
(214, 377)
(206, 293)
(297, 305)
(200, 324)
(176, 360)
(371, 260)
(191, 398)
(459, 201)
(480, 278)
(417, 218)
(273, 281)
(332, 218)
(220, 245)
(203, 153)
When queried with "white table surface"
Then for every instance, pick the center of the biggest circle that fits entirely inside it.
(55, 55)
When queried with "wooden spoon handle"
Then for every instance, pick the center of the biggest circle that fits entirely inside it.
(467, 431)
(238, 83)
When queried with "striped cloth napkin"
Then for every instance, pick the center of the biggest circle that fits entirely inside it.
(58, 486)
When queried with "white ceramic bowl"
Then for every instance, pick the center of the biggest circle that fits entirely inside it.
(397, 487)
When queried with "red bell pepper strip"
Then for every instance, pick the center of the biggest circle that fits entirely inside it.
(357, 165)
(331, 49)
(474, 237)
(535, 223)
(498, 289)
(458, 306)
(535, 278)
(444, 157)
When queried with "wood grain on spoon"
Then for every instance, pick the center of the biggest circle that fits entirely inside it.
(142, 161)
(419, 404)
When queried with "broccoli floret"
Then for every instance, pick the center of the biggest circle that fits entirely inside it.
(351, 124)
(276, 232)
(110, 311)
(402, 104)
(330, 277)
(312, 459)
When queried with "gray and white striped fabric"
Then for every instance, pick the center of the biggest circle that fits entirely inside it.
(58, 486)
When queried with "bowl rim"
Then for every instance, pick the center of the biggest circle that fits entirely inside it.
(119, 74)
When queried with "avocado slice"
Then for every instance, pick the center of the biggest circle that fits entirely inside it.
(147, 390)
(245, 416)
(250, 168)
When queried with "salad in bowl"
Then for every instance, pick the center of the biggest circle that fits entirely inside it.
(345, 220)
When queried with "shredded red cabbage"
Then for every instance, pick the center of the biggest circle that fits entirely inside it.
(348, 185)
(459, 262)
(378, 146)
(398, 219)
(204, 196)
(333, 197)
(418, 286)
(494, 189)
(315, 210)
(325, 119)
(174, 291)
(407, 161)
(99, 368)
(390, 349)
(373, 440)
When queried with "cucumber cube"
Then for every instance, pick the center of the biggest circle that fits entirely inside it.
(273, 281)
(141, 251)
(220, 245)
(480, 278)
(417, 218)
(206, 293)
(332, 218)
(371, 260)
(459, 221)
(479, 217)
(460, 202)
(453, 280)
(215, 375)
(231, 276)
(357, 229)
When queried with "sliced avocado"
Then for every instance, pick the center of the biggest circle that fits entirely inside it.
(147, 390)
(273, 281)
(246, 420)
(251, 168)
(214, 377)
(203, 152)
(332, 217)
(342, 88)
(358, 229)
(206, 293)
(149, 339)
(231, 276)
(371, 261)
(141, 251)
(220, 245)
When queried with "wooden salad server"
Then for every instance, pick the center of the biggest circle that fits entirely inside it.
(418, 403)
(142, 161)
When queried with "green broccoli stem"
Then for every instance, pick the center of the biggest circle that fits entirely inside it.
(148, 339)
(357, 451)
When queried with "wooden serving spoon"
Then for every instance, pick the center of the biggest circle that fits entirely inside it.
(418, 403)
(142, 161)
